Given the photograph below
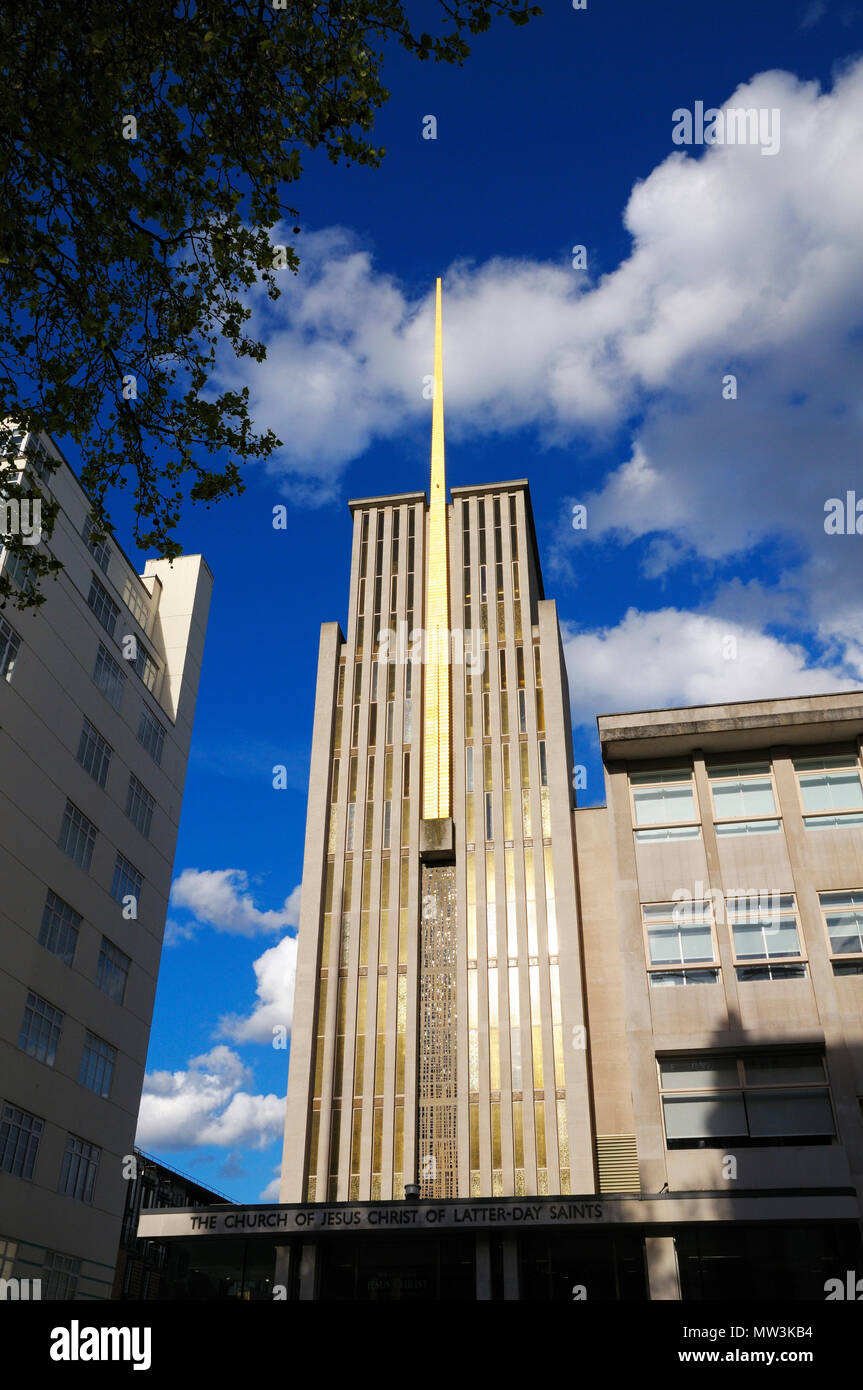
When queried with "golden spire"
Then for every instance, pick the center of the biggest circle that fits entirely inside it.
(436, 696)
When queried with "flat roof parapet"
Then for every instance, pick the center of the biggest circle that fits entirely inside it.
(356, 503)
(796, 719)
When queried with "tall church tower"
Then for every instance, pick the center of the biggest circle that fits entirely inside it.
(439, 1032)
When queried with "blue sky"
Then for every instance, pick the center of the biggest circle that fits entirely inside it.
(602, 385)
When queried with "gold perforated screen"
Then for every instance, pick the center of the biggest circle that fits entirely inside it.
(437, 1040)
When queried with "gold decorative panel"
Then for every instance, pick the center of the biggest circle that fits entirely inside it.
(437, 1037)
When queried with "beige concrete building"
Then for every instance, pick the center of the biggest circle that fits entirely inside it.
(97, 699)
(541, 1052)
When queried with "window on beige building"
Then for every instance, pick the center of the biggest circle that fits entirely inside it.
(665, 802)
(843, 918)
(679, 934)
(743, 798)
(831, 793)
(763, 934)
(754, 1099)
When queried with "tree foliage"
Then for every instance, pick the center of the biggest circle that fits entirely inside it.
(146, 151)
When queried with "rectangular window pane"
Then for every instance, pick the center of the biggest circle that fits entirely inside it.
(127, 881)
(139, 805)
(18, 567)
(106, 610)
(670, 832)
(788, 1069)
(94, 753)
(704, 1117)
(766, 930)
(738, 770)
(843, 913)
(10, 644)
(689, 1073)
(662, 978)
(774, 1102)
(145, 666)
(846, 759)
(757, 942)
(97, 1064)
(678, 933)
(771, 972)
(679, 945)
(60, 1275)
(59, 930)
(747, 827)
(686, 912)
(752, 797)
(675, 774)
(840, 820)
(137, 602)
(19, 1141)
(80, 1165)
(788, 1113)
(831, 791)
(77, 836)
(112, 971)
(151, 734)
(100, 550)
(659, 804)
(108, 676)
(40, 1029)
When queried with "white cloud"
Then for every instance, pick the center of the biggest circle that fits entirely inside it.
(276, 972)
(208, 1105)
(733, 255)
(177, 932)
(271, 1191)
(739, 264)
(220, 898)
(672, 657)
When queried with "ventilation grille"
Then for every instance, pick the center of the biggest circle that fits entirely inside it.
(617, 1159)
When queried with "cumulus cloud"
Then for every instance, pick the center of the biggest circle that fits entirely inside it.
(271, 1191)
(733, 255)
(276, 972)
(177, 932)
(672, 657)
(220, 898)
(208, 1104)
(739, 265)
